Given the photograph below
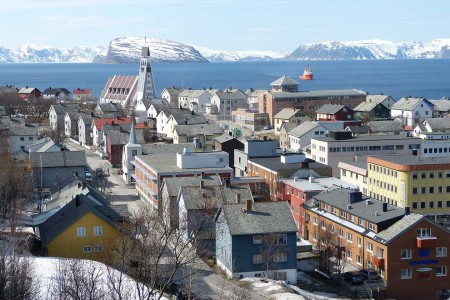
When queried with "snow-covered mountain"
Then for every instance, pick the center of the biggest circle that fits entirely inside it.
(371, 49)
(47, 54)
(128, 50)
(220, 55)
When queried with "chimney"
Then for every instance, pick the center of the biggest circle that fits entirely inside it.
(407, 210)
(202, 184)
(248, 206)
(385, 206)
(368, 202)
(238, 198)
(311, 178)
(83, 185)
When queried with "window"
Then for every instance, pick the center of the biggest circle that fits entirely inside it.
(349, 237)
(323, 224)
(87, 249)
(441, 251)
(257, 259)
(431, 174)
(280, 239)
(361, 222)
(349, 255)
(369, 246)
(98, 230)
(315, 220)
(423, 190)
(333, 210)
(414, 175)
(257, 239)
(81, 231)
(422, 204)
(441, 271)
(133, 153)
(22, 138)
(405, 254)
(422, 232)
(431, 189)
(352, 218)
(280, 257)
(414, 191)
(342, 214)
(98, 248)
(371, 226)
(405, 274)
(423, 175)
(359, 241)
(331, 228)
(358, 259)
(340, 232)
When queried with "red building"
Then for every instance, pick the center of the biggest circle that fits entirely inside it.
(333, 112)
(29, 93)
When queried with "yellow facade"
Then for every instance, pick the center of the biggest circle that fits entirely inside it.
(425, 189)
(69, 244)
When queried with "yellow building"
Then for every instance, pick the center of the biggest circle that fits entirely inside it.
(421, 183)
(83, 228)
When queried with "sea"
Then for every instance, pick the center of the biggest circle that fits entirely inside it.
(429, 78)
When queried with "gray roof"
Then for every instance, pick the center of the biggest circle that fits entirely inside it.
(73, 115)
(288, 126)
(110, 107)
(302, 129)
(358, 129)
(284, 80)
(305, 173)
(23, 130)
(183, 116)
(377, 98)
(198, 129)
(174, 90)
(212, 196)
(58, 159)
(318, 93)
(330, 109)
(254, 93)
(55, 91)
(275, 164)
(398, 227)
(62, 108)
(438, 123)
(441, 105)
(407, 103)
(287, 113)
(122, 137)
(228, 95)
(224, 138)
(374, 137)
(193, 93)
(366, 106)
(163, 148)
(373, 212)
(264, 218)
(173, 184)
(385, 126)
(359, 166)
(72, 212)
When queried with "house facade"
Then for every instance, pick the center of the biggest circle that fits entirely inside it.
(257, 239)
(289, 114)
(366, 111)
(70, 124)
(334, 112)
(410, 111)
(57, 113)
(202, 135)
(81, 95)
(60, 94)
(171, 95)
(227, 101)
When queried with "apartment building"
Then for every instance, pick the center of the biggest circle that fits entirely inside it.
(344, 147)
(411, 181)
(409, 251)
(355, 172)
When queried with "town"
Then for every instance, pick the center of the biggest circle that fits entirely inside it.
(210, 194)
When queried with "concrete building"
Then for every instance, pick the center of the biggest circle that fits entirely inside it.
(250, 119)
(223, 103)
(355, 172)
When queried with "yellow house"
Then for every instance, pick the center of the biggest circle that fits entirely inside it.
(82, 228)
(421, 183)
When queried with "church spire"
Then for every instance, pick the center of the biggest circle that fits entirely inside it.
(133, 138)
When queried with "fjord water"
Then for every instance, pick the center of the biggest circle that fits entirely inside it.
(428, 78)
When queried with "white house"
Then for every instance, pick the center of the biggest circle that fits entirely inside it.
(171, 94)
(57, 112)
(227, 101)
(84, 129)
(140, 110)
(253, 98)
(194, 100)
(20, 135)
(410, 111)
(70, 124)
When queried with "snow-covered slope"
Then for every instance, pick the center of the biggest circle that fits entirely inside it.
(128, 50)
(370, 49)
(47, 54)
(219, 55)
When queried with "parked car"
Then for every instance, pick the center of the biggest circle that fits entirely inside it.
(353, 277)
(370, 274)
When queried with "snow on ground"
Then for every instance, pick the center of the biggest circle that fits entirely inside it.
(280, 291)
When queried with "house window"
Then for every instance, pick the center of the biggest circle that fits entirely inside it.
(358, 259)
(405, 274)
(315, 220)
(422, 232)
(333, 210)
(361, 222)
(349, 255)
(98, 248)
(349, 237)
(441, 271)
(371, 226)
(280, 239)
(441, 251)
(257, 239)
(359, 241)
(280, 257)
(257, 259)
(81, 231)
(405, 254)
(331, 228)
(98, 230)
(369, 246)
(342, 214)
(87, 249)
(133, 153)
(340, 232)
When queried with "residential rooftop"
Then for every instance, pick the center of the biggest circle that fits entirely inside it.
(397, 161)
(362, 138)
(319, 184)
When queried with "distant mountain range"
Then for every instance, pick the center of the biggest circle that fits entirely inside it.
(128, 49)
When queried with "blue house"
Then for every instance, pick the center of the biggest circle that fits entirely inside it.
(257, 239)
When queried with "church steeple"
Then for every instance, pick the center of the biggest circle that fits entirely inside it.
(146, 86)
(133, 138)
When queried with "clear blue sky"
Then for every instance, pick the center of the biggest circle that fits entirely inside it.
(278, 25)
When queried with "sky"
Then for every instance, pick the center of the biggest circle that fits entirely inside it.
(275, 25)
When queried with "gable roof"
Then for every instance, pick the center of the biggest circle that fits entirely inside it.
(358, 129)
(231, 95)
(287, 113)
(377, 98)
(398, 228)
(62, 108)
(407, 103)
(58, 159)
(55, 91)
(109, 107)
(264, 218)
(330, 109)
(122, 137)
(28, 90)
(302, 129)
(98, 123)
(173, 184)
(22, 130)
(385, 126)
(79, 91)
(366, 106)
(288, 126)
(438, 123)
(284, 80)
(183, 116)
(211, 197)
(198, 129)
(225, 138)
(73, 116)
(442, 105)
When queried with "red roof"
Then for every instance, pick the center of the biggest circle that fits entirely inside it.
(81, 91)
(98, 123)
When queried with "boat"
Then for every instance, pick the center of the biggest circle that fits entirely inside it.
(307, 74)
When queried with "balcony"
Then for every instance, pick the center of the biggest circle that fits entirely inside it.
(378, 261)
(426, 242)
